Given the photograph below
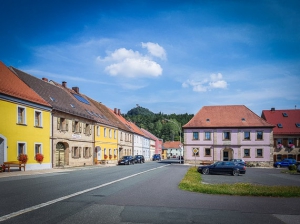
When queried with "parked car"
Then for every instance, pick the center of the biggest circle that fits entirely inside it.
(221, 167)
(298, 167)
(156, 157)
(139, 159)
(240, 161)
(284, 163)
(126, 160)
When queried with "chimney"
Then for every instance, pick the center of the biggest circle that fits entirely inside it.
(115, 110)
(119, 111)
(273, 109)
(45, 79)
(64, 84)
(76, 89)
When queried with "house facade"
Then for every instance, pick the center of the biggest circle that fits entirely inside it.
(172, 149)
(25, 122)
(222, 133)
(72, 129)
(155, 143)
(286, 132)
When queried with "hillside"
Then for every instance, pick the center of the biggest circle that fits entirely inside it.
(157, 123)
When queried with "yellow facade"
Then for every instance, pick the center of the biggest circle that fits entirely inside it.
(27, 134)
(106, 143)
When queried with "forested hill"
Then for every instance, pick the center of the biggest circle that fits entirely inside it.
(157, 123)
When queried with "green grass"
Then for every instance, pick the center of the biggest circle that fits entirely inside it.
(193, 182)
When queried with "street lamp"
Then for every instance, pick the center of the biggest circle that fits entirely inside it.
(179, 136)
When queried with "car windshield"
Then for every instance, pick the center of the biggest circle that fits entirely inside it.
(125, 157)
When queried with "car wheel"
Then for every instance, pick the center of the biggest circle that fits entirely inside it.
(235, 172)
(205, 171)
(278, 166)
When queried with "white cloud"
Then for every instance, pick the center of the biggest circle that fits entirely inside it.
(131, 64)
(132, 67)
(155, 49)
(215, 81)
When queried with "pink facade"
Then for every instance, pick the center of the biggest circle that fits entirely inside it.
(239, 146)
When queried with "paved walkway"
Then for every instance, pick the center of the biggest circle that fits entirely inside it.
(15, 172)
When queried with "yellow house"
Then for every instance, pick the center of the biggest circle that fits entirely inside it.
(106, 136)
(25, 122)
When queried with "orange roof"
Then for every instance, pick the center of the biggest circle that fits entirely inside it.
(171, 145)
(286, 119)
(226, 116)
(12, 85)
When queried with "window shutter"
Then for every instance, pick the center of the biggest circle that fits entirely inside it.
(58, 123)
(67, 125)
(80, 127)
(84, 129)
(73, 126)
(72, 151)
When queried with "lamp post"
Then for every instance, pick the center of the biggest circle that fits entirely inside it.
(179, 136)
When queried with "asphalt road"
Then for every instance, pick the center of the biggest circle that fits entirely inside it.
(148, 193)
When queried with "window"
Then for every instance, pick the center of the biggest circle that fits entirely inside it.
(76, 126)
(76, 152)
(109, 133)
(259, 135)
(279, 141)
(207, 152)
(115, 134)
(247, 135)
(278, 157)
(88, 129)
(104, 132)
(98, 131)
(21, 115)
(37, 118)
(21, 148)
(246, 152)
(37, 148)
(291, 141)
(62, 124)
(226, 135)
(279, 125)
(195, 151)
(285, 114)
(121, 136)
(195, 135)
(290, 156)
(298, 125)
(86, 152)
(259, 153)
(207, 135)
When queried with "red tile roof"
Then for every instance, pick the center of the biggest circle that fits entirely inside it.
(288, 123)
(12, 85)
(171, 145)
(226, 116)
(149, 134)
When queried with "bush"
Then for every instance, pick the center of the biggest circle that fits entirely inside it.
(292, 167)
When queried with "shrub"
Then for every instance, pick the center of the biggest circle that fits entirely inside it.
(292, 167)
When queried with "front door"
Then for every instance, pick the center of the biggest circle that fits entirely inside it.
(225, 156)
(98, 153)
(60, 154)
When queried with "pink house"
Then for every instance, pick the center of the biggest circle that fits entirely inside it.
(221, 133)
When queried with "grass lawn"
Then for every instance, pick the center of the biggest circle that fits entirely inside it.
(193, 182)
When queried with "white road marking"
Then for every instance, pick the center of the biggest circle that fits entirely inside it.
(35, 207)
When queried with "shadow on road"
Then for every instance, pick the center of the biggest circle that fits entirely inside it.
(169, 161)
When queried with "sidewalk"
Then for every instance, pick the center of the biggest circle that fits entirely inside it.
(15, 172)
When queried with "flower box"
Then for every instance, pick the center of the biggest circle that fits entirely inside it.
(110, 156)
(292, 146)
(23, 158)
(105, 156)
(39, 157)
(279, 146)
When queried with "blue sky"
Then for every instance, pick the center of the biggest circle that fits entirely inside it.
(167, 56)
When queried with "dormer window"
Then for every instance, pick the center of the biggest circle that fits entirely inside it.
(285, 114)
(298, 125)
(207, 119)
(279, 125)
(243, 119)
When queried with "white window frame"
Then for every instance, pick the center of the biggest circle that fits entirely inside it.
(109, 133)
(24, 115)
(41, 148)
(98, 130)
(226, 139)
(208, 132)
(115, 134)
(104, 132)
(25, 147)
(40, 125)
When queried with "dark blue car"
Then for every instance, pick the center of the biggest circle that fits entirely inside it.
(156, 157)
(284, 163)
